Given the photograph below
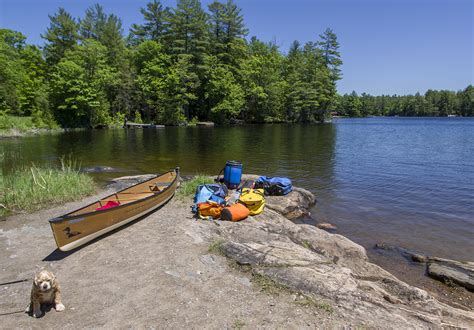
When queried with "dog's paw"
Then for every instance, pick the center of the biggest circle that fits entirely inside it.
(37, 313)
(28, 309)
(60, 307)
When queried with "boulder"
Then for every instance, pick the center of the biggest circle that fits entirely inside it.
(294, 205)
(461, 273)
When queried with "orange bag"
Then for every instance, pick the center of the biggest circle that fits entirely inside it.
(235, 212)
(209, 209)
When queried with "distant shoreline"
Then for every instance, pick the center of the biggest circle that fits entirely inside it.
(15, 132)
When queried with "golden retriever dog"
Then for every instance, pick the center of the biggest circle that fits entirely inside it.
(45, 290)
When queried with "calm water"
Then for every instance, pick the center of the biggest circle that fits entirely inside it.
(405, 181)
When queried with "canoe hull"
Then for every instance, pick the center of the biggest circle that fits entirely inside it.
(76, 228)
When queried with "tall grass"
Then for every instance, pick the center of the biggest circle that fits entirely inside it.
(188, 188)
(19, 123)
(32, 188)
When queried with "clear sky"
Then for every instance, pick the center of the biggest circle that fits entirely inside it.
(388, 46)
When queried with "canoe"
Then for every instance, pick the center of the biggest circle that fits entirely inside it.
(85, 224)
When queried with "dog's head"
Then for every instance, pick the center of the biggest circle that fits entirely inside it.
(44, 280)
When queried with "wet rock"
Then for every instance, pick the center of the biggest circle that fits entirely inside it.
(410, 255)
(461, 273)
(134, 178)
(99, 169)
(127, 181)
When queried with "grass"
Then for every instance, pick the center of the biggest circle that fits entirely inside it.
(238, 324)
(310, 302)
(268, 285)
(188, 188)
(216, 247)
(307, 245)
(20, 123)
(33, 188)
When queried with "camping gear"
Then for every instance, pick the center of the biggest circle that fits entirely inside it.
(235, 212)
(85, 224)
(274, 186)
(204, 192)
(232, 174)
(209, 209)
(233, 198)
(253, 199)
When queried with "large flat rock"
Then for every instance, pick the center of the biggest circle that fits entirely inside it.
(461, 273)
(331, 268)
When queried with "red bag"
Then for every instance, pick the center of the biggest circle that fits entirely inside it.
(109, 205)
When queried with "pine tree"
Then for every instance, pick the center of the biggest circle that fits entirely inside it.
(189, 31)
(61, 35)
(92, 26)
(227, 30)
(156, 24)
(330, 48)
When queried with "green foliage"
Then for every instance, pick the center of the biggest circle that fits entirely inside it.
(61, 35)
(188, 188)
(224, 95)
(433, 103)
(156, 24)
(20, 123)
(79, 84)
(33, 188)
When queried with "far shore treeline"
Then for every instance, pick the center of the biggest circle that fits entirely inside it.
(182, 65)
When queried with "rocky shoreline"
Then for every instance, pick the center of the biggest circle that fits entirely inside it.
(154, 271)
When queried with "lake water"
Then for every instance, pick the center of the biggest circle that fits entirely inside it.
(405, 181)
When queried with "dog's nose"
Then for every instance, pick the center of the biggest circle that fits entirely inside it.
(45, 286)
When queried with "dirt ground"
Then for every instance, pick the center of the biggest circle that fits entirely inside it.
(156, 272)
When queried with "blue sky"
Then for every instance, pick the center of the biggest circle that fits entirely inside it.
(388, 46)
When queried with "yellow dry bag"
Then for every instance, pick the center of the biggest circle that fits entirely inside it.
(253, 199)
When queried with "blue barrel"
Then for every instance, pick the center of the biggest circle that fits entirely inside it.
(232, 174)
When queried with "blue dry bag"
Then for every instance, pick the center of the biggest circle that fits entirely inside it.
(274, 186)
(213, 192)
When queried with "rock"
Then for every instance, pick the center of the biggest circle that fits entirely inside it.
(127, 181)
(294, 205)
(461, 273)
(99, 169)
(134, 178)
(205, 124)
(326, 226)
(332, 268)
(410, 255)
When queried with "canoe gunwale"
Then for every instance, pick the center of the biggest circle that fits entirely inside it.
(67, 217)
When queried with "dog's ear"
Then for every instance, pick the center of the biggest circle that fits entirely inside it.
(53, 279)
(35, 280)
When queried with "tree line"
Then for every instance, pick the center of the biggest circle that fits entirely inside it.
(180, 65)
(433, 103)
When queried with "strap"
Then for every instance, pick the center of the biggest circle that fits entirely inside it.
(218, 175)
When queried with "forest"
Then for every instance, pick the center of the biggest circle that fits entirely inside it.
(182, 65)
